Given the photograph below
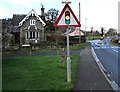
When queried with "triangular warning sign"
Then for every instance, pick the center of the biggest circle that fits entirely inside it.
(67, 18)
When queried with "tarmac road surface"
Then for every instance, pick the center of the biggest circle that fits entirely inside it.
(109, 56)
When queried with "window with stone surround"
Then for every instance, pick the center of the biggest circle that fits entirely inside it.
(32, 22)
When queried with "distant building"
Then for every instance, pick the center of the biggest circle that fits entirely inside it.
(77, 32)
(76, 36)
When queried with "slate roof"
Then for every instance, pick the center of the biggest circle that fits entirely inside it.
(17, 18)
(35, 28)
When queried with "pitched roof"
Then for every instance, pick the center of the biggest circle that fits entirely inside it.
(33, 28)
(76, 32)
(32, 13)
(17, 18)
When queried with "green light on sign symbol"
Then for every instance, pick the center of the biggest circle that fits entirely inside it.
(67, 17)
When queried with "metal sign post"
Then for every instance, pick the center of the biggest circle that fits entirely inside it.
(68, 58)
(67, 19)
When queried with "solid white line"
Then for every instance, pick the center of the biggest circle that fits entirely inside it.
(94, 55)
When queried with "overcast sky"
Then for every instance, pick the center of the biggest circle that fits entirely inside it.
(98, 13)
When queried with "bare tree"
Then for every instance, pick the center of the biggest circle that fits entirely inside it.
(102, 31)
(112, 32)
(92, 31)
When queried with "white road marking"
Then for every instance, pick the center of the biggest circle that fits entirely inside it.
(115, 50)
(112, 47)
(104, 47)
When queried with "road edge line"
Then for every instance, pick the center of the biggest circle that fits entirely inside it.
(104, 71)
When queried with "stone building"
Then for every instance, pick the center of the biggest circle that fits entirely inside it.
(28, 28)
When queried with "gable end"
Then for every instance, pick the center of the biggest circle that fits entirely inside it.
(32, 13)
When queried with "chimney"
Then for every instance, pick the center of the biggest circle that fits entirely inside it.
(42, 13)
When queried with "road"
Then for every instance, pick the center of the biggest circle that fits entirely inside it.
(108, 56)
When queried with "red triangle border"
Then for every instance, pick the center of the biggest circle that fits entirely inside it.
(57, 21)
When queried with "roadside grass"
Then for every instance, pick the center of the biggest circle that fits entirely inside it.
(93, 37)
(114, 41)
(117, 44)
(37, 73)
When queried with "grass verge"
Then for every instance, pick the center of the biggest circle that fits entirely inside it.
(117, 44)
(37, 73)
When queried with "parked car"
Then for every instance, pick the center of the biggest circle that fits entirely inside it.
(101, 38)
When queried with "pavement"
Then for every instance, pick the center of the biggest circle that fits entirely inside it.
(89, 76)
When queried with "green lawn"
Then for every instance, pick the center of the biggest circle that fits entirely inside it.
(37, 73)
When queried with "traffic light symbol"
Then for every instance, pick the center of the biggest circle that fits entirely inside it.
(67, 17)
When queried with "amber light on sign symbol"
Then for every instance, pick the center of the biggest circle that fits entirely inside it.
(67, 17)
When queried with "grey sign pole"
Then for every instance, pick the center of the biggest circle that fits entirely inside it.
(68, 59)
(68, 51)
(61, 23)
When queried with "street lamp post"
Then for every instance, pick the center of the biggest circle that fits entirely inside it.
(85, 26)
(79, 27)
